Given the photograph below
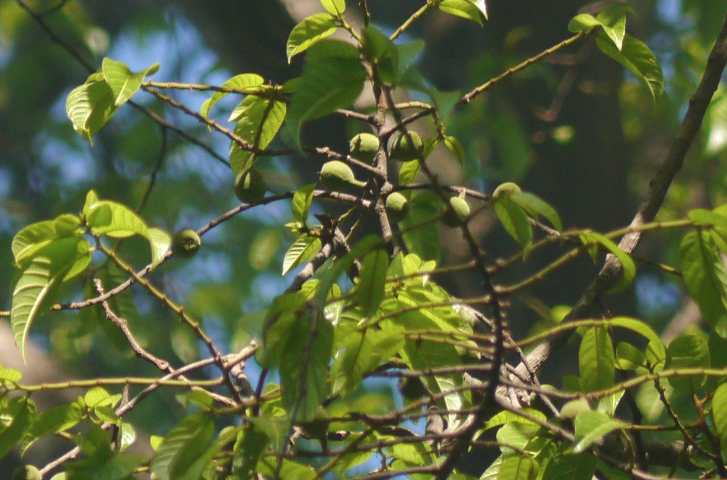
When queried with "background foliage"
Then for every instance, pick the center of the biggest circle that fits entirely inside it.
(574, 129)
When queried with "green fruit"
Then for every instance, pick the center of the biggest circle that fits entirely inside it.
(459, 213)
(403, 150)
(507, 188)
(186, 243)
(571, 409)
(338, 176)
(364, 147)
(397, 207)
(250, 186)
(27, 472)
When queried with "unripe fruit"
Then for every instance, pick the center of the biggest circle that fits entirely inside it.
(403, 150)
(397, 207)
(571, 409)
(186, 243)
(459, 213)
(250, 186)
(364, 147)
(27, 472)
(338, 176)
(507, 188)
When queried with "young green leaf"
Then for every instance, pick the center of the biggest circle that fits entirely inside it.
(160, 241)
(67, 224)
(259, 121)
(372, 281)
(124, 221)
(310, 31)
(381, 50)
(591, 426)
(515, 220)
(687, 351)
(29, 240)
(298, 363)
(635, 325)
(595, 359)
(719, 415)
(302, 249)
(628, 266)
(302, 200)
(90, 106)
(334, 7)
(535, 206)
(332, 78)
(39, 285)
(456, 148)
(704, 275)
(408, 174)
(518, 467)
(510, 417)
(462, 8)
(420, 237)
(613, 20)
(243, 83)
(122, 81)
(638, 59)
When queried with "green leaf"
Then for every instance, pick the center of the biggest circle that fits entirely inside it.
(301, 250)
(638, 59)
(422, 239)
(310, 31)
(627, 264)
(54, 420)
(334, 7)
(456, 148)
(253, 444)
(408, 174)
(372, 281)
(332, 78)
(364, 352)
(306, 357)
(244, 83)
(122, 81)
(259, 121)
(637, 326)
(9, 375)
(29, 240)
(462, 8)
(83, 259)
(187, 438)
(571, 467)
(704, 275)
(517, 467)
(510, 417)
(595, 359)
(20, 412)
(302, 200)
(481, 6)
(267, 468)
(613, 20)
(536, 206)
(515, 220)
(67, 224)
(687, 351)
(583, 22)
(90, 106)
(719, 415)
(629, 357)
(591, 426)
(39, 285)
(160, 241)
(444, 101)
(124, 221)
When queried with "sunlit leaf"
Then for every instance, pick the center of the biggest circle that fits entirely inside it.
(515, 220)
(302, 249)
(90, 106)
(189, 436)
(638, 59)
(244, 83)
(462, 8)
(571, 467)
(20, 412)
(535, 206)
(628, 357)
(39, 285)
(311, 30)
(704, 275)
(422, 239)
(160, 242)
(456, 148)
(302, 200)
(124, 221)
(259, 121)
(122, 81)
(29, 240)
(628, 270)
(719, 415)
(334, 7)
(54, 420)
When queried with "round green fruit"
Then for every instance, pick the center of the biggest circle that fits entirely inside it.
(338, 176)
(459, 213)
(364, 147)
(186, 243)
(250, 186)
(507, 188)
(397, 207)
(27, 472)
(404, 150)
